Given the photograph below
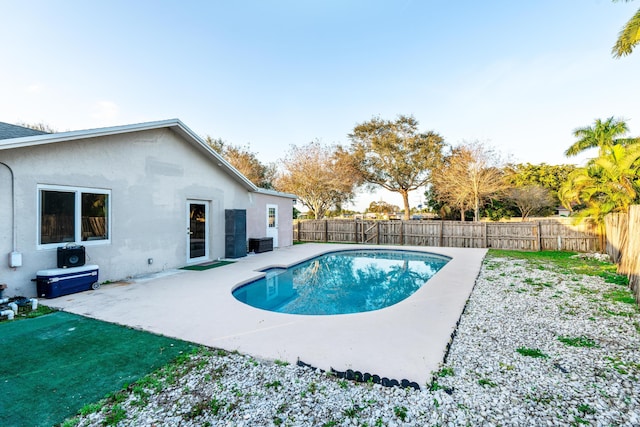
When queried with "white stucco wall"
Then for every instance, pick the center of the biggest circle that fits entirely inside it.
(151, 175)
(257, 217)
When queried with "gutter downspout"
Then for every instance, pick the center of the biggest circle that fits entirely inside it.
(13, 209)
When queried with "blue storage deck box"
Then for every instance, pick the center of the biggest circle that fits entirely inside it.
(56, 282)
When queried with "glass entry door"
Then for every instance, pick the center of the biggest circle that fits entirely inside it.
(198, 231)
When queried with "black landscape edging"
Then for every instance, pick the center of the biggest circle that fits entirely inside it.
(358, 376)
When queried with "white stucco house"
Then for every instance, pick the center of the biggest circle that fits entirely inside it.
(140, 198)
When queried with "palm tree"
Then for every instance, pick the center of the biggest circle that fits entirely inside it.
(607, 184)
(628, 37)
(603, 135)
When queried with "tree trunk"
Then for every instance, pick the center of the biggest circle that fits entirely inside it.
(443, 213)
(476, 210)
(462, 215)
(405, 199)
(317, 211)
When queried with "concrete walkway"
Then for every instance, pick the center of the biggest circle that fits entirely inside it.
(405, 341)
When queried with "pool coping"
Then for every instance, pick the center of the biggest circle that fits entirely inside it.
(197, 306)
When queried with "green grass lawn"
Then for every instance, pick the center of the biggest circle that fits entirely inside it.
(53, 365)
(566, 262)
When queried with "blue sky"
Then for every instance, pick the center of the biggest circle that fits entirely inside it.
(518, 75)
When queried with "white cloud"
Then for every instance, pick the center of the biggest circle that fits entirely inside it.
(35, 88)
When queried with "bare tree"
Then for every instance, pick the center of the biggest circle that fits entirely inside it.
(530, 199)
(322, 177)
(468, 176)
(41, 126)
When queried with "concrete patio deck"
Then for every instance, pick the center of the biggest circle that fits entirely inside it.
(405, 341)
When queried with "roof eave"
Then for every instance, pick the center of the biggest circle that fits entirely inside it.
(276, 193)
(174, 124)
(51, 138)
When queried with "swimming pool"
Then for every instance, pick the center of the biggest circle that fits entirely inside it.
(349, 281)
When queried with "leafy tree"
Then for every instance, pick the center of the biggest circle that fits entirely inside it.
(499, 207)
(245, 161)
(322, 177)
(469, 176)
(551, 177)
(338, 211)
(548, 176)
(628, 37)
(602, 135)
(395, 155)
(382, 207)
(609, 183)
(531, 199)
(434, 204)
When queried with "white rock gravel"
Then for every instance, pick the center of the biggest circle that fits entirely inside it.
(484, 381)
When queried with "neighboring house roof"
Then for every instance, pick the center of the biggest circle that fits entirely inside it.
(174, 125)
(8, 131)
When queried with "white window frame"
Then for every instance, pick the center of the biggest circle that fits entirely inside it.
(77, 214)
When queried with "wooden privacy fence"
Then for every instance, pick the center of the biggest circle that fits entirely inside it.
(548, 234)
(623, 245)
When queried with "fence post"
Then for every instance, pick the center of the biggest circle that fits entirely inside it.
(441, 232)
(602, 238)
(402, 232)
(539, 227)
(377, 232)
(486, 238)
(326, 230)
(355, 229)
(298, 225)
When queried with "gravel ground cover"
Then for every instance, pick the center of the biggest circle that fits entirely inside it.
(543, 341)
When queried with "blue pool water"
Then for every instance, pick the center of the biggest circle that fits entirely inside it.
(351, 281)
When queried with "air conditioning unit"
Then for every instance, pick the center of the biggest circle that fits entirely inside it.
(71, 256)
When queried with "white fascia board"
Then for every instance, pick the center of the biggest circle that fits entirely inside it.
(51, 138)
(276, 193)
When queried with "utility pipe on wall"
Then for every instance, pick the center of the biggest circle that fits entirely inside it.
(14, 252)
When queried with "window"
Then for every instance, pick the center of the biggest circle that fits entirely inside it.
(69, 214)
(271, 217)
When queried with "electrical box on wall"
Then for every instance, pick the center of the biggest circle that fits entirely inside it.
(15, 259)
